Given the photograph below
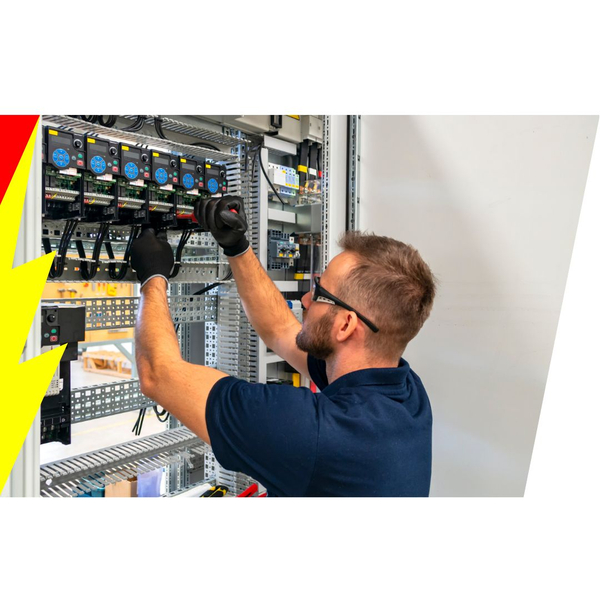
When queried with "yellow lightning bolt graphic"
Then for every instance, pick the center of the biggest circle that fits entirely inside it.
(22, 385)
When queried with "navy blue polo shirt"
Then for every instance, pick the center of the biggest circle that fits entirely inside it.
(366, 434)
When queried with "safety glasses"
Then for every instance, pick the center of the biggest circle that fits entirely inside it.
(322, 295)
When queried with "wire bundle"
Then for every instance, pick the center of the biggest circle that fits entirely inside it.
(119, 274)
(185, 236)
(89, 270)
(58, 265)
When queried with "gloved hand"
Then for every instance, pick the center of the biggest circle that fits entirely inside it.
(227, 227)
(151, 256)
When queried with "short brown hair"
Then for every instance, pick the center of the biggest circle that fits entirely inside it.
(391, 285)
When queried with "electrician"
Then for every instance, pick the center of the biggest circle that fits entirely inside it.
(368, 431)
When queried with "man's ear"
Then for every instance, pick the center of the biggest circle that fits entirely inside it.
(346, 328)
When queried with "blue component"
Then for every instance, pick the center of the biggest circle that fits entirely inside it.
(161, 176)
(61, 158)
(131, 170)
(213, 186)
(98, 165)
(188, 181)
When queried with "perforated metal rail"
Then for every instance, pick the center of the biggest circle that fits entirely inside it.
(105, 399)
(120, 312)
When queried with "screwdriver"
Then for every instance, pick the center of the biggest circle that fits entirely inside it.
(215, 492)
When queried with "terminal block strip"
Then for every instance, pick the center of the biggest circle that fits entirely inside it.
(86, 473)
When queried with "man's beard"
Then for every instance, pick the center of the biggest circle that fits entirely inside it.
(316, 340)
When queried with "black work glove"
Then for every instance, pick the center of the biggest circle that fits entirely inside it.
(151, 256)
(227, 227)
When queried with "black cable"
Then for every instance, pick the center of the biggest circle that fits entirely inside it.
(266, 176)
(158, 127)
(139, 123)
(89, 271)
(185, 236)
(110, 122)
(205, 145)
(213, 285)
(137, 428)
(58, 265)
(112, 268)
(160, 414)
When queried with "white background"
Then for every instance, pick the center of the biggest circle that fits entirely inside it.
(429, 58)
(492, 204)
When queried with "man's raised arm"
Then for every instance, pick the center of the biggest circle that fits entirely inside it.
(263, 303)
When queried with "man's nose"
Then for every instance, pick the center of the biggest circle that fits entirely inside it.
(306, 300)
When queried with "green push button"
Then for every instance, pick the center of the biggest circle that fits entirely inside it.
(80, 156)
(53, 331)
(115, 162)
(147, 168)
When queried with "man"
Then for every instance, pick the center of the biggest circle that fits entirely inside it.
(368, 431)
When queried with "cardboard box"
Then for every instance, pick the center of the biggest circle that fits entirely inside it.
(123, 489)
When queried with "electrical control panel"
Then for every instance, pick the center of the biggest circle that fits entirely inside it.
(61, 324)
(92, 212)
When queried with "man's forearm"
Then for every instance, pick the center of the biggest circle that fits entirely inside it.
(156, 342)
(263, 303)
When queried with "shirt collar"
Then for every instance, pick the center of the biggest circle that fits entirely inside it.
(388, 376)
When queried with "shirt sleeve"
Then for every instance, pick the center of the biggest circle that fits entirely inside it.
(317, 370)
(268, 432)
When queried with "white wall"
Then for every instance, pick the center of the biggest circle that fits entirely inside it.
(492, 204)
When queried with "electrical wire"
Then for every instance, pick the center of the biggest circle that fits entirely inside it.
(139, 123)
(185, 236)
(205, 145)
(213, 285)
(158, 127)
(161, 413)
(112, 268)
(58, 265)
(137, 428)
(257, 153)
(89, 270)
(110, 122)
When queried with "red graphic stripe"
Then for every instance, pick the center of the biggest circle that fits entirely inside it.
(15, 131)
